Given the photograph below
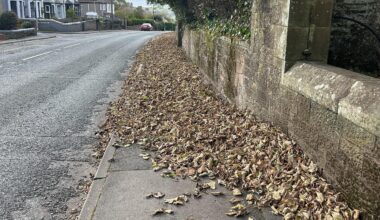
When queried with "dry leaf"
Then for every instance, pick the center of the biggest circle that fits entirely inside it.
(167, 107)
(163, 211)
(236, 192)
(212, 184)
(217, 193)
(249, 197)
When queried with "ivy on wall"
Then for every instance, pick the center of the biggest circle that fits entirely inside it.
(223, 17)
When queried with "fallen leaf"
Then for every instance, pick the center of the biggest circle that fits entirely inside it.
(212, 184)
(157, 195)
(235, 200)
(217, 193)
(167, 107)
(180, 200)
(163, 211)
(236, 192)
(249, 197)
(238, 210)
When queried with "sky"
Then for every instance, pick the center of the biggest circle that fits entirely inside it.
(144, 3)
(138, 2)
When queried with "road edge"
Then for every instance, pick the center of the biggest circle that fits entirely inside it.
(26, 40)
(90, 204)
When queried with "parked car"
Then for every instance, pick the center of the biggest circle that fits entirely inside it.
(146, 27)
(91, 15)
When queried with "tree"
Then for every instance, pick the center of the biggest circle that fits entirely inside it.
(124, 12)
(139, 12)
(205, 10)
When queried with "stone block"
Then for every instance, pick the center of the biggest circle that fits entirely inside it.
(362, 104)
(324, 84)
(296, 43)
(324, 121)
(276, 11)
(371, 172)
(376, 150)
(322, 13)
(300, 131)
(319, 42)
(355, 193)
(257, 39)
(279, 34)
(300, 109)
(282, 13)
(356, 135)
(322, 144)
(299, 13)
(287, 96)
(260, 20)
(354, 154)
(336, 162)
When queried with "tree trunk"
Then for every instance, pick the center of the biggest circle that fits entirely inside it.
(179, 32)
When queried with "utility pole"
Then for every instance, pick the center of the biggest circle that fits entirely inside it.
(35, 9)
(112, 11)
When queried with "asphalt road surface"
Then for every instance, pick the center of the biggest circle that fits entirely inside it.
(53, 93)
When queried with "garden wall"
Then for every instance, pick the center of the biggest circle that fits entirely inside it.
(56, 26)
(281, 76)
(17, 34)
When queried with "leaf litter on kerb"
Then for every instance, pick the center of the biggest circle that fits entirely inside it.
(196, 134)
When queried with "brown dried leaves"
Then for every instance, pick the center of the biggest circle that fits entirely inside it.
(195, 134)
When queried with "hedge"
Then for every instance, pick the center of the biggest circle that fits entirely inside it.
(133, 22)
(160, 26)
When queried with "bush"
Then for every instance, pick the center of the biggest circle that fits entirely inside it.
(161, 26)
(71, 14)
(26, 24)
(8, 20)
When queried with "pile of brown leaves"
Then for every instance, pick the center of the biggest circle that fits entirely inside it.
(167, 107)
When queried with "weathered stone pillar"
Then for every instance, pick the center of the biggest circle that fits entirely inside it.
(292, 30)
(309, 30)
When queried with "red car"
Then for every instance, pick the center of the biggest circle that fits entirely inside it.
(146, 27)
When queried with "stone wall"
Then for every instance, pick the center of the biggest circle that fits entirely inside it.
(19, 33)
(353, 46)
(90, 25)
(56, 26)
(331, 112)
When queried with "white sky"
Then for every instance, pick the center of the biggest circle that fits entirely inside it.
(138, 3)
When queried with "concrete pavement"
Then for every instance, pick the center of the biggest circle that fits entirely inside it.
(53, 92)
(124, 179)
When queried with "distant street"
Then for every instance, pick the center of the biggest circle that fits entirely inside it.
(52, 95)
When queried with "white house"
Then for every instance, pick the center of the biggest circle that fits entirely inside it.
(23, 8)
(58, 8)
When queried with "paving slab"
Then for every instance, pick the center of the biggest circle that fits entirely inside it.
(124, 193)
(121, 194)
(128, 159)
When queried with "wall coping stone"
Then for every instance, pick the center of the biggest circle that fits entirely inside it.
(58, 22)
(351, 95)
(18, 30)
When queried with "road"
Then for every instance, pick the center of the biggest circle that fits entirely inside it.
(53, 93)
